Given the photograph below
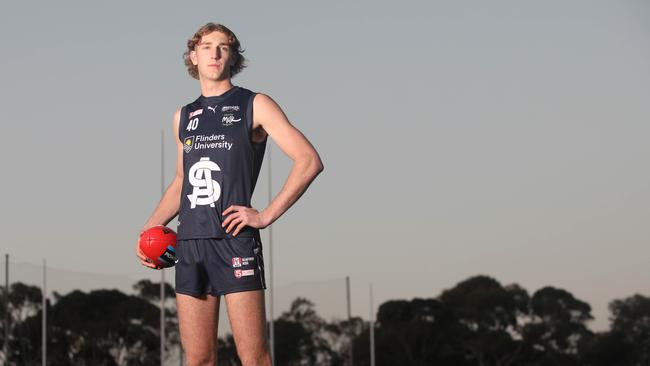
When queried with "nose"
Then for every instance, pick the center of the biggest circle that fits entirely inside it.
(217, 53)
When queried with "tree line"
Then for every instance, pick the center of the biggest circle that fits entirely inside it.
(478, 322)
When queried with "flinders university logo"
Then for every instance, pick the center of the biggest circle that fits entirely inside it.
(206, 190)
(188, 144)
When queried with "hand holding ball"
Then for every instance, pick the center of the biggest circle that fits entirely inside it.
(159, 245)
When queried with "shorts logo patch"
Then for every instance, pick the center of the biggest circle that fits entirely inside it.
(246, 272)
(236, 262)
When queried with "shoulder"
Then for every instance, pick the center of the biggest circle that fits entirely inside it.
(193, 108)
(263, 101)
(255, 95)
(267, 111)
(176, 119)
(184, 109)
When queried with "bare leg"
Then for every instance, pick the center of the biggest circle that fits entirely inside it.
(248, 323)
(198, 319)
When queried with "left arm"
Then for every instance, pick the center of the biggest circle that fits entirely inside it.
(306, 166)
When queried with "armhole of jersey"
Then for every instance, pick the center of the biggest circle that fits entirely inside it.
(249, 121)
(249, 117)
(180, 123)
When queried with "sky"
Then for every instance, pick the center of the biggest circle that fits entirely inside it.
(503, 138)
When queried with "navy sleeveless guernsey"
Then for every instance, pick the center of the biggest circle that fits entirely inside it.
(220, 162)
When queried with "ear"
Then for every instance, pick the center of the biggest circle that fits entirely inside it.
(193, 58)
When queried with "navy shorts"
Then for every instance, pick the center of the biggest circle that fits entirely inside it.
(219, 266)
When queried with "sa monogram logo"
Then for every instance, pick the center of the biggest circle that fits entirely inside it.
(206, 190)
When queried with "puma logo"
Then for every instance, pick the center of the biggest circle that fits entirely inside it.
(213, 109)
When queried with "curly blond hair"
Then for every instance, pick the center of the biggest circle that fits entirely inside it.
(240, 60)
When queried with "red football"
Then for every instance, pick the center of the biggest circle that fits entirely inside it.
(159, 245)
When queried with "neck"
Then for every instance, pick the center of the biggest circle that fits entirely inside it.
(210, 88)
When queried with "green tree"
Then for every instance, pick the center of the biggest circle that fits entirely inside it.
(606, 349)
(150, 291)
(304, 338)
(627, 343)
(25, 302)
(103, 327)
(488, 315)
(227, 352)
(416, 332)
(557, 325)
(631, 319)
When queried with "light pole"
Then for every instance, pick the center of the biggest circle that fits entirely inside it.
(162, 270)
(372, 330)
(350, 328)
(44, 315)
(271, 327)
(6, 347)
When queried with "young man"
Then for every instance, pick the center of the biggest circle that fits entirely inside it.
(221, 138)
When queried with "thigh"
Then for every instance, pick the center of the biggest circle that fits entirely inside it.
(198, 319)
(247, 316)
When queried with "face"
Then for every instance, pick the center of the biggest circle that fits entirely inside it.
(213, 57)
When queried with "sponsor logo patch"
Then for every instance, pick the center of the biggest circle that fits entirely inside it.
(228, 108)
(202, 142)
(239, 273)
(169, 256)
(196, 112)
(236, 262)
(229, 119)
(188, 144)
